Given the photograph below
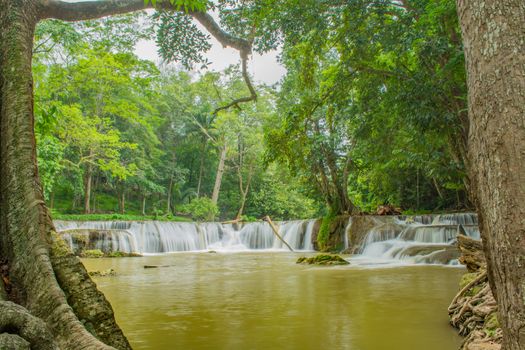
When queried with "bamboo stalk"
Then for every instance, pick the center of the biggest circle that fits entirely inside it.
(276, 231)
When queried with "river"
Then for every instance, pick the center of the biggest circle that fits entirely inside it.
(263, 300)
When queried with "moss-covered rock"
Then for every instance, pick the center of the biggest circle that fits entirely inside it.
(97, 253)
(122, 255)
(322, 259)
(330, 235)
(93, 253)
(467, 278)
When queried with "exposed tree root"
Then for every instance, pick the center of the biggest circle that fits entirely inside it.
(19, 329)
(89, 304)
(13, 342)
(474, 310)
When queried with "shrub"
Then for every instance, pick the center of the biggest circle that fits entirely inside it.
(201, 209)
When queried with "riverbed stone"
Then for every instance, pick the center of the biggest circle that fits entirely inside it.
(322, 259)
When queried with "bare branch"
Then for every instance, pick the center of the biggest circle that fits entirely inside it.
(204, 131)
(246, 76)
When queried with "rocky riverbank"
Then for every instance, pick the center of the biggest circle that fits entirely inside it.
(473, 310)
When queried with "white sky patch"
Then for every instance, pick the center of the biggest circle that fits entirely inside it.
(264, 68)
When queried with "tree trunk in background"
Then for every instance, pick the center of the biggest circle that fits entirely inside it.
(168, 199)
(201, 168)
(52, 200)
(87, 190)
(122, 202)
(50, 283)
(494, 41)
(218, 177)
(244, 191)
(143, 205)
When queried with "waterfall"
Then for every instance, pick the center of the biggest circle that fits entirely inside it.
(421, 239)
(417, 239)
(153, 237)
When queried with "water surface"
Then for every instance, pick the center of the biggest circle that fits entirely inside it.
(266, 301)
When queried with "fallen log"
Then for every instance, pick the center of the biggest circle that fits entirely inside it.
(276, 231)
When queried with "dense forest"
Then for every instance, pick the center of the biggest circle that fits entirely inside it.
(362, 117)
(416, 104)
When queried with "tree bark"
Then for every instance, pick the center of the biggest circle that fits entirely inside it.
(122, 202)
(494, 40)
(220, 172)
(87, 190)
(244, 190)
(25, 224)
(143, 205)
(52, 284)
(168, 199)
(201, 167)
(52, 200)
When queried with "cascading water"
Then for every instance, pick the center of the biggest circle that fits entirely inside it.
(417, 239)
(423, 239)
(150, 237)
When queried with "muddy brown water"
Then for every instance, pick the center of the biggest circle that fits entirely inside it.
(266, 301)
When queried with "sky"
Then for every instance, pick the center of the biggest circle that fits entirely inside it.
(264, 68)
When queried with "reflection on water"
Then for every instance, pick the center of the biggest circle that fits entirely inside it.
(266, 301)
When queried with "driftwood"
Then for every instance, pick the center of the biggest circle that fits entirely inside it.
(234, 221)
(388, 210)
(276, 231)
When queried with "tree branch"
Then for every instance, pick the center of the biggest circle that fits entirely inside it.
(86, 10)
(247, 80)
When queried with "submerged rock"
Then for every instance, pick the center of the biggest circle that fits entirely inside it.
(433, 254)
(104, 273)
(155, 266)
(322, 259)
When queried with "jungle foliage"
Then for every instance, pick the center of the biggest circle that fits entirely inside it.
(371, 111)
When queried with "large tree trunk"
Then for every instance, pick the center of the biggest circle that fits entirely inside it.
(494, 41)
(220, 172)
(48, 280)
(35, 257)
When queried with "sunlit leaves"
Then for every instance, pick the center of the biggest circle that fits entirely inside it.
(186, 5)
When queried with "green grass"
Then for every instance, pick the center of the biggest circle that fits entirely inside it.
(117, 217)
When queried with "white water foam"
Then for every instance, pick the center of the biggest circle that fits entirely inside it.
(153, 237)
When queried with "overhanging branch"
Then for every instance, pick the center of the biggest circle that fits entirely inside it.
(86, 10)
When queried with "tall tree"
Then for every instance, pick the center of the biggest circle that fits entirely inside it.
(53, 285)
(494, 40)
